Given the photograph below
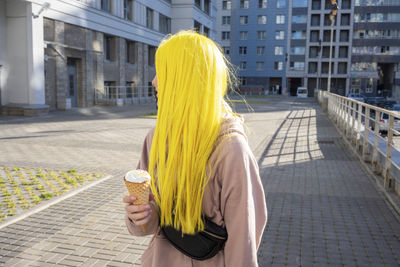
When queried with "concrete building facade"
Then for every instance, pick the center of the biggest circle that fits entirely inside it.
(61, 54)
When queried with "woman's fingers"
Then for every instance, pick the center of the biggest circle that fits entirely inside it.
(129, 199)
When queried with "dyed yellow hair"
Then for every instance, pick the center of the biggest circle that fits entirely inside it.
(193, 77)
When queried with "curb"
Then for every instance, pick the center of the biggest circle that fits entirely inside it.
(43, 206)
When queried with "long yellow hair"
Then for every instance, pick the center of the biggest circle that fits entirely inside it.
(192, 76)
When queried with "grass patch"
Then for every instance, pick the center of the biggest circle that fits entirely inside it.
(23, 188)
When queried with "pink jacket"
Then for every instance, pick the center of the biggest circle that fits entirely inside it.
(234, 198)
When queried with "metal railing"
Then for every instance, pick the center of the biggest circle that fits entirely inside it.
(364, 126)
(122, 95)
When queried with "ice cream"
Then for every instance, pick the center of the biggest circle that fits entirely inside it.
(138, 184)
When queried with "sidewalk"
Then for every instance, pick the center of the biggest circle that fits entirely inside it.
(323, 207)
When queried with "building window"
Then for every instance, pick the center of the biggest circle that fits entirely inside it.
(206, 31)
(278, 50)
(297, 65)
(344, 36)
(342, 68)
(243, 80)
(226, 35)
(297, 50)
(227, 50)
(152, 55)
(128, 9)
(197, 26)
(259, 65)
(243, 65)
(345, 20)
(207, 6)
(316, 5)
(197, 3)
(106, 5)
(279, 35)
(281, 3)
(164, 24)
(278, 65)
(370, 83)
(300, 3)
(363, 66)
(312, 67)
(261, 35)
(280, 19)
(243, 35)
(260, 50)
(226, 5)
(130, 52)
(244, 20)
(315, 20)
(262, 19)
(262, 3)
(346, 4)
(242, 50)
(299, 19)
(313, 52)
(226, 20)
(149, 18)
(109, 47)
(314, 36)
(244, 4)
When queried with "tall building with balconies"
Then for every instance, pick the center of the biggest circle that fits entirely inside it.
(310, 46)
(61, 54)
(375, 66)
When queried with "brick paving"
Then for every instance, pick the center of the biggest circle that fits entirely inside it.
(323, 207)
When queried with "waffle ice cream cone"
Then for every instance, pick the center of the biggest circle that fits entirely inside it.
(138, 184)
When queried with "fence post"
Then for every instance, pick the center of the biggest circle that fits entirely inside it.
(348, 118)
(388, 181)
(376, 140)
(365, 149)
(359, 116)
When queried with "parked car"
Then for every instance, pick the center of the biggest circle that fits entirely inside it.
(302, 92)
(358, 97)
(374, 100)
(396, 107)
(383, 125)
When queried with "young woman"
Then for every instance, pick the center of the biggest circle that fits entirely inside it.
(199, 159)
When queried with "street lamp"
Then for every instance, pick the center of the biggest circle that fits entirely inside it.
(332, 16)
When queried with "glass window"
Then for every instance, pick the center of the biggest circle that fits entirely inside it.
(226, 5)
(261, 35)
(315, 20)
(377, 3)
(227, 50)
(300, 3)
(299, 19)
(243, 35)
(278, 50)
(296, 65)
(260, 50)
(280, 19)
(226, 20)
(226, 35)
(242, 50)
(262, 3)
(279, 35)
(297, 50)
(152, 55)
(149, 18)
(243, 65)
(259, 65)
(128, 9)
(109, 48)
(312, 67)
(278, 65)
(164, 24)
(130, 52)
(244, 20)
(197, 26)
(280, 3)
(299, 35)
(106, 5)
(244, 4)
(262, 19)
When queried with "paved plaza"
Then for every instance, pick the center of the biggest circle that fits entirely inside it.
(323, 207)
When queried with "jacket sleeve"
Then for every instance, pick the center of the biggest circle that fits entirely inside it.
(152, 225)
(242, 203)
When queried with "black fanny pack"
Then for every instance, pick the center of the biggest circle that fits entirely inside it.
(200, 246)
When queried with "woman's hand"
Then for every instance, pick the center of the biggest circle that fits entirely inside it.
(138, 214)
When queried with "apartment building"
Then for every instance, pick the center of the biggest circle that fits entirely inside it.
(58, 54)
(258, 44)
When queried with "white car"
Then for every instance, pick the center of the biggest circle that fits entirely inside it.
(383, 124)
(302, 92)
